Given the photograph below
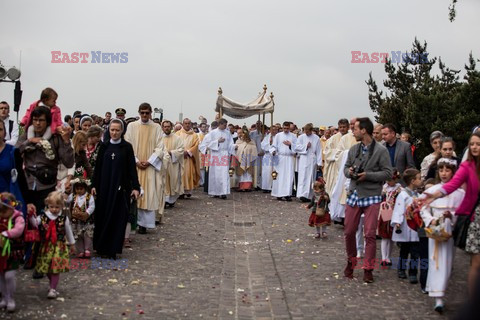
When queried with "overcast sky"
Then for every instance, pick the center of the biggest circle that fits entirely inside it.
(180, 52)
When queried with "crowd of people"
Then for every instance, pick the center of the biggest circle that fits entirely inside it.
(82, 184)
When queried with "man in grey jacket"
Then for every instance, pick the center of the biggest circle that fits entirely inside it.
(400, 152)
(368, 167)
(42, 153)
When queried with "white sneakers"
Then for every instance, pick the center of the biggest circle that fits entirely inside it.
(10, 305)
(52, 294)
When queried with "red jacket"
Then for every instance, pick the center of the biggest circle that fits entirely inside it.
(56, 116)
(467, 173)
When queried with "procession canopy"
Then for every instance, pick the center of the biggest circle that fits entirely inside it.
(260, 105)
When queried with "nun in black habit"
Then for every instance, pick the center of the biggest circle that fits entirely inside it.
(115, 182)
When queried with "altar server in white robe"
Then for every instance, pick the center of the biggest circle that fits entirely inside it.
(440, 214)
(284, 147)
(309, 158)
(220, 144)
(267, 164)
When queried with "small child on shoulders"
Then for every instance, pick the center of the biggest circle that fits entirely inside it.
(48, 99)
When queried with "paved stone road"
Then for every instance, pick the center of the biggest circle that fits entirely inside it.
(248, 257)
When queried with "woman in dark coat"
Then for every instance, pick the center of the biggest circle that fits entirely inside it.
(115, 182)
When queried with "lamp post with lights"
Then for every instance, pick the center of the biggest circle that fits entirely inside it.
(159, 111)
(13, 74)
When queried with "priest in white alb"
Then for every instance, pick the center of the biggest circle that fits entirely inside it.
(330, 152)
(145, 136)
(338, 196)
(220, 144)
(284, 148)
(309, 157)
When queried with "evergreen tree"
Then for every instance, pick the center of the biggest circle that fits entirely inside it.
(419, 102)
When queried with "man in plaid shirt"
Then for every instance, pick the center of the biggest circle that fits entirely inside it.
(368, 167)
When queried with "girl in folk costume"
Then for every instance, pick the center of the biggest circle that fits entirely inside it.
(439, 218)
(391, 190)
(12, 226)
(246, 154)
(407, 237)
(83, 168)
(82, 206)
(94, 134)
(320, 216)
(55, 231)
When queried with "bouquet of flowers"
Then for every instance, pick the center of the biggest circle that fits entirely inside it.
(47, 148)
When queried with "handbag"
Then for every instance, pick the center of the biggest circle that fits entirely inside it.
(386, 211)
(31, 235)
(45, 175)
(460, 230)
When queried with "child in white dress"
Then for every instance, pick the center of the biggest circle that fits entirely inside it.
(438, 217)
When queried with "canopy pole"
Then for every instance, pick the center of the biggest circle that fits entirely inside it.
(263, 126)
(220, 111)
(271, 114)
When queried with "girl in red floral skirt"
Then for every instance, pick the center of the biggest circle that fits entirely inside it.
(320, 216)
(391, 189)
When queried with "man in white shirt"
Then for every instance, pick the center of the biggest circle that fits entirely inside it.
(11, 126)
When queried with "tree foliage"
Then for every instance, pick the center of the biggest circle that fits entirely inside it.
(452, 11)
(420, 100)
